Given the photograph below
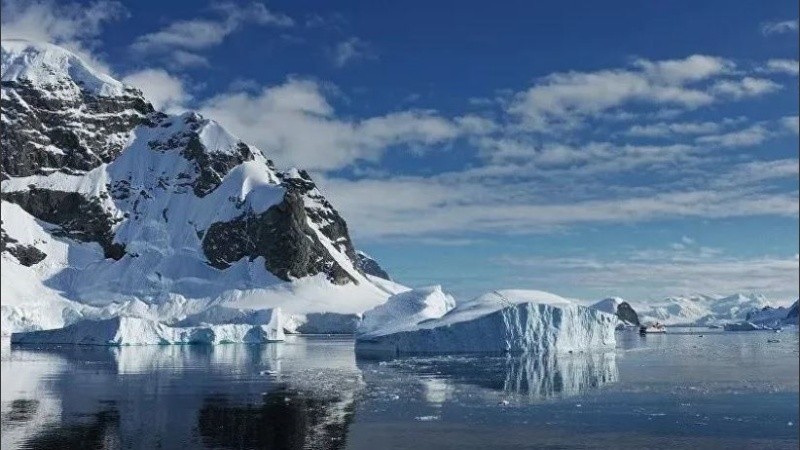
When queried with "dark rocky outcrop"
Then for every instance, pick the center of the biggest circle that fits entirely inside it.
(73, 134)
(371, 267)
(291, 249)
(210, 166)
(626, 313)
(27, 255)
(76, 216)
(792, 316)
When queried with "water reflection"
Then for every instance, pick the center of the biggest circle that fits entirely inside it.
(285, 419)
(530, 378)
(231, 396)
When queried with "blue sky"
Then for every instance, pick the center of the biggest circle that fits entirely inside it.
(639, 149)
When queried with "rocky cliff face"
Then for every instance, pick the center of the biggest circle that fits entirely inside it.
(161, 207)
(626, 313)
(371, 267)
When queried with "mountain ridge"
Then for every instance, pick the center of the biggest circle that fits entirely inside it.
(107, 202)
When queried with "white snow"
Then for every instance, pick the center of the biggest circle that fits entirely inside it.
(608, 305)
(701, 309)
(512, 321)
(135, 331)
(50, 66)
(404, 311)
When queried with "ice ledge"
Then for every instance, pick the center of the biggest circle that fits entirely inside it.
(121, 331)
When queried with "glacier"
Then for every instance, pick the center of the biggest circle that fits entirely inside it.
(119, 331)
(502, 322)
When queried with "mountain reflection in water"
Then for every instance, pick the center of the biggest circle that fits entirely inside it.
(299, 394)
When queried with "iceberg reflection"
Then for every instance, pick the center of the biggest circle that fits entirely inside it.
(532, 377)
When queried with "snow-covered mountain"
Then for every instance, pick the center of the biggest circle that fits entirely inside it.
(110, 207)
(774, 317)
(702, 309)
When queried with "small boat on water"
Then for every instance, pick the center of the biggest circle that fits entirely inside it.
(653, 328)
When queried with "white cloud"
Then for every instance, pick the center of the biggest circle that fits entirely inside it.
(562, 99)
(791, 123)
(181, 58)
(350, 50)
(752, 135)
(787, 66)
(70, 25)
(678, 271)
(745, 87)
(166, 92)
(295, 122)
(786, 26)
(181, 39)
(508, 202)
(591, 156)
(662, 129)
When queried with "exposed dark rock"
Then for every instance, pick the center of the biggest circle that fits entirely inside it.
(27, 255)
(793, 312)
(77, 217)
(42, 133)
(281, 235)
(321, 212)
(626, 313)
(213, 167)
(371, 267)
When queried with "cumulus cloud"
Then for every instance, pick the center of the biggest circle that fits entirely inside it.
(166, 92)
(297, 124)
(71, 25)
(781, 27)
(182, 39)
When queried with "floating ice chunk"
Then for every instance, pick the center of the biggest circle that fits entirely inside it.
(134, 331)
(512, 321)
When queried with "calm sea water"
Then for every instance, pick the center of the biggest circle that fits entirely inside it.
(679, 390)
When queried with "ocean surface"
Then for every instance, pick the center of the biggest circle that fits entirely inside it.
(692, 388)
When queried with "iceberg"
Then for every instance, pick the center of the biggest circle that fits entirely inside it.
(745, 326)
(510, 322)
(404, 311)
(327, 323)
(120, 331)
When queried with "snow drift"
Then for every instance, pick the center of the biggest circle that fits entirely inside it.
(512, 321)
